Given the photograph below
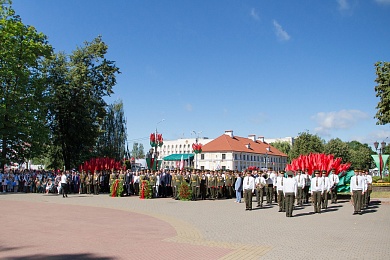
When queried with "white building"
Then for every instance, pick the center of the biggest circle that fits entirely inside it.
(177, 148)
(229, 152)
(289, 140)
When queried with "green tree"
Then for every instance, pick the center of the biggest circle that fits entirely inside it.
(78, 84)
(23, 96)
(138, 151)
(360, 155)
(282, 146)
(383, 92)
(306, 143)
(111, 142)
(338, 148)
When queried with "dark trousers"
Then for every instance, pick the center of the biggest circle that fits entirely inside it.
(269, 191)
(248, 198)
(324, 200)
(289, 202)
(281, 201)
(229, 192)
(333, 195)
(259, 196)
(299, 196)
(64, 189)
(357, 200)
(96, 189)
(306, 194)
(317, 201)
(194, 192)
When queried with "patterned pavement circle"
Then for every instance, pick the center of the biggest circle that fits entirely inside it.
(38, 226)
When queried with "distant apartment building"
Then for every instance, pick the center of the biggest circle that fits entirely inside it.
(172, 151)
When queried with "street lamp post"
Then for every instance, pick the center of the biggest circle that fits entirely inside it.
(196, 153)
(381, 150)
(155, 141)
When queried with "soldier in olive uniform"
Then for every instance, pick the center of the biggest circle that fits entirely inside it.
(229, 180)
(82, 182)
(203, 185)
(220, 185)
(195, 183)
(212, 184)
(95, 183)
(88, 182)
(152, 184)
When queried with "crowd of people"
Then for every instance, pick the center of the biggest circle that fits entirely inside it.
(287, 189)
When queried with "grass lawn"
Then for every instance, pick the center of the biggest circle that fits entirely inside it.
(380, 194)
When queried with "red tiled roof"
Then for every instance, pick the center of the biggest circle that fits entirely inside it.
(225, 143)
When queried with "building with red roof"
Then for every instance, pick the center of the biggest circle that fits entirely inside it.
(229, 152)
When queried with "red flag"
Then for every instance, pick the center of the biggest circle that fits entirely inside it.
(380, 164)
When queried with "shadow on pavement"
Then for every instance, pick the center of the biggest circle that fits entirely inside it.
(303, 214)
(61, 257)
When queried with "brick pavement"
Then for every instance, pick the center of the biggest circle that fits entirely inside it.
(37, 226)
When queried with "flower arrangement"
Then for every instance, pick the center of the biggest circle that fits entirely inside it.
(156, 140)
(146, 190)
(197, 148)
(116, 188)
(185, 193)
(100, 164)
(318, 161)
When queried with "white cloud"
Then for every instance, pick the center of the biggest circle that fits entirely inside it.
(280, 32)
(383, 2)
(343, 4)
(188, 107)
(254, 14)
(343, 119)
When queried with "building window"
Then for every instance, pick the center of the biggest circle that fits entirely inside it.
(223, 168)
(235, 156)
(223, 156)
(202, 156)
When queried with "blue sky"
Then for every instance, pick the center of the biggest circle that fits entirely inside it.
(270, 68)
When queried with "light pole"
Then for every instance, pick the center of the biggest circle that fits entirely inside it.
(155, 141)
(266, 157)
(196, 152)
(381, 150)
(156, 154)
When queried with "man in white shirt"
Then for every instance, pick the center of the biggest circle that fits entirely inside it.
(279, 188)
(249, 188)
(334, 181)
(325, 180)
(357, 187)
(306, 189)
(367, 194)
(260, 184)
(317, 189)
(64, 185)
(269, 190)
(289, 191)
(300, 179)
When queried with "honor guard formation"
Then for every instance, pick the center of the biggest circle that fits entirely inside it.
(288, 189)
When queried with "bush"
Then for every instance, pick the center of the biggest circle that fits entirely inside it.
(145, 189)
(185, 193)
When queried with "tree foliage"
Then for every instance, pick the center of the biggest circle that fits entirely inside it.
(23, 95)
(360, 155)
(338, 148)
(111, 142)
(306, 143)
(382, 90)
(282, 146)
(78, 83)
(138, 151)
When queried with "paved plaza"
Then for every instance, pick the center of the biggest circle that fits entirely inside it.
(47, 226)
